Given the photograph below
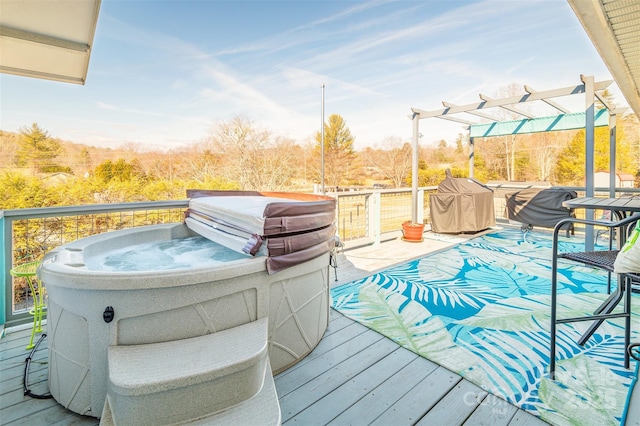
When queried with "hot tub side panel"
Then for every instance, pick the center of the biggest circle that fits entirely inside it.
(189, 304)
(69, 371)
(298, 312)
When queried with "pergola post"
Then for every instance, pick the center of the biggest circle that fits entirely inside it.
(589, 166)
(471, 157)
(414, 168)
(612, 154)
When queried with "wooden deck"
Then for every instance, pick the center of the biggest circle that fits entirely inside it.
(355, 376)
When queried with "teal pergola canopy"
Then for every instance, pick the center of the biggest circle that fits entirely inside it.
(552, 123)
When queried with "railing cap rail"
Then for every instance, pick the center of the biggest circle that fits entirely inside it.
(36, 212)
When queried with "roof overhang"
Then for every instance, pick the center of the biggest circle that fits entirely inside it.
(614, 29)
(50, 39)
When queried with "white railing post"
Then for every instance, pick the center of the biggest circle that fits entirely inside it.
(420, 203)
(375, 228)
(6, 289)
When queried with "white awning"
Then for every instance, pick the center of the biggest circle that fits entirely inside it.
(614, 29)
(50, 39)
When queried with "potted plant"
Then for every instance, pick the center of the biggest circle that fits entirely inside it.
(412, 231)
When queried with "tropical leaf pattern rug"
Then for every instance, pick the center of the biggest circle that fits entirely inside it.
(482, 310)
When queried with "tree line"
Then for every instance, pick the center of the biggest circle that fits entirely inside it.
(38, 170)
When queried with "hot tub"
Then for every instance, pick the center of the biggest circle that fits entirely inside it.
(98, 296)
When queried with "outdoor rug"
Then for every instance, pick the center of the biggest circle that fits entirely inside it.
(482, 310)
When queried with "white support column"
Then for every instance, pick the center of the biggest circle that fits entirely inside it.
(612, 154)
(589, 166)
(414, 168)
(322, 145)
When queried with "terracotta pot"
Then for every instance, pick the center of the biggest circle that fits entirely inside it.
(412, 231)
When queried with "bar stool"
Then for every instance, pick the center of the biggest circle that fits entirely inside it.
(28, 272)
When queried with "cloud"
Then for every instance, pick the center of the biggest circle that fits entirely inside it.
(304, 33)
(161, 74)
(103, 105)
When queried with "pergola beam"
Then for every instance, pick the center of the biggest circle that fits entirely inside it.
(604, 101)
(456, 119)
(508, 107)
(537, 96)
(474, 112)
(549, 102)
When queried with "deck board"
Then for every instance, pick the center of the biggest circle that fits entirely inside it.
(381, 398)
(350, 364)
(333, 359)
(353, 389)
(493, 411)
(418, 400)
(456, 406)
(355, 376)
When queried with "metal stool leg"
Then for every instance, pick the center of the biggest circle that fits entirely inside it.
(39, 305)
(28, 272)
(34, 312)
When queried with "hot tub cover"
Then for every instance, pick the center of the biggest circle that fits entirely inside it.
(289, 228)
(461, 205)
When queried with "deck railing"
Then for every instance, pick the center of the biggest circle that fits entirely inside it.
(363, 217)
(27, 234)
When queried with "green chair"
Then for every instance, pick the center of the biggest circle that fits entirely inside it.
(28, 272)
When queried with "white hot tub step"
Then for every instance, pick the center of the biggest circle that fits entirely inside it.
(182, 380)
(263, 409)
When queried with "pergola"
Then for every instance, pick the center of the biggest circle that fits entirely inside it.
(490, 125)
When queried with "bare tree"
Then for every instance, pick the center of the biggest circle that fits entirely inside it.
(510, 141)
(200, 162)
(392, 159)
(8, 149)
(131, 148)
(544, 151)
(252, 157)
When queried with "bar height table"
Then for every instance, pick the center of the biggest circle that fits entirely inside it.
(623, 208)
(620, 206)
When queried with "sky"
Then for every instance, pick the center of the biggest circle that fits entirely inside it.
(164, 73)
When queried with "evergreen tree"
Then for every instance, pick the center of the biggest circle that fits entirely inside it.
(120, 171)
(338, 151)
(37, 148)
(569, 168)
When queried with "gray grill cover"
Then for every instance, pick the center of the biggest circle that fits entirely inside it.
(538, 207)
(461, 205)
